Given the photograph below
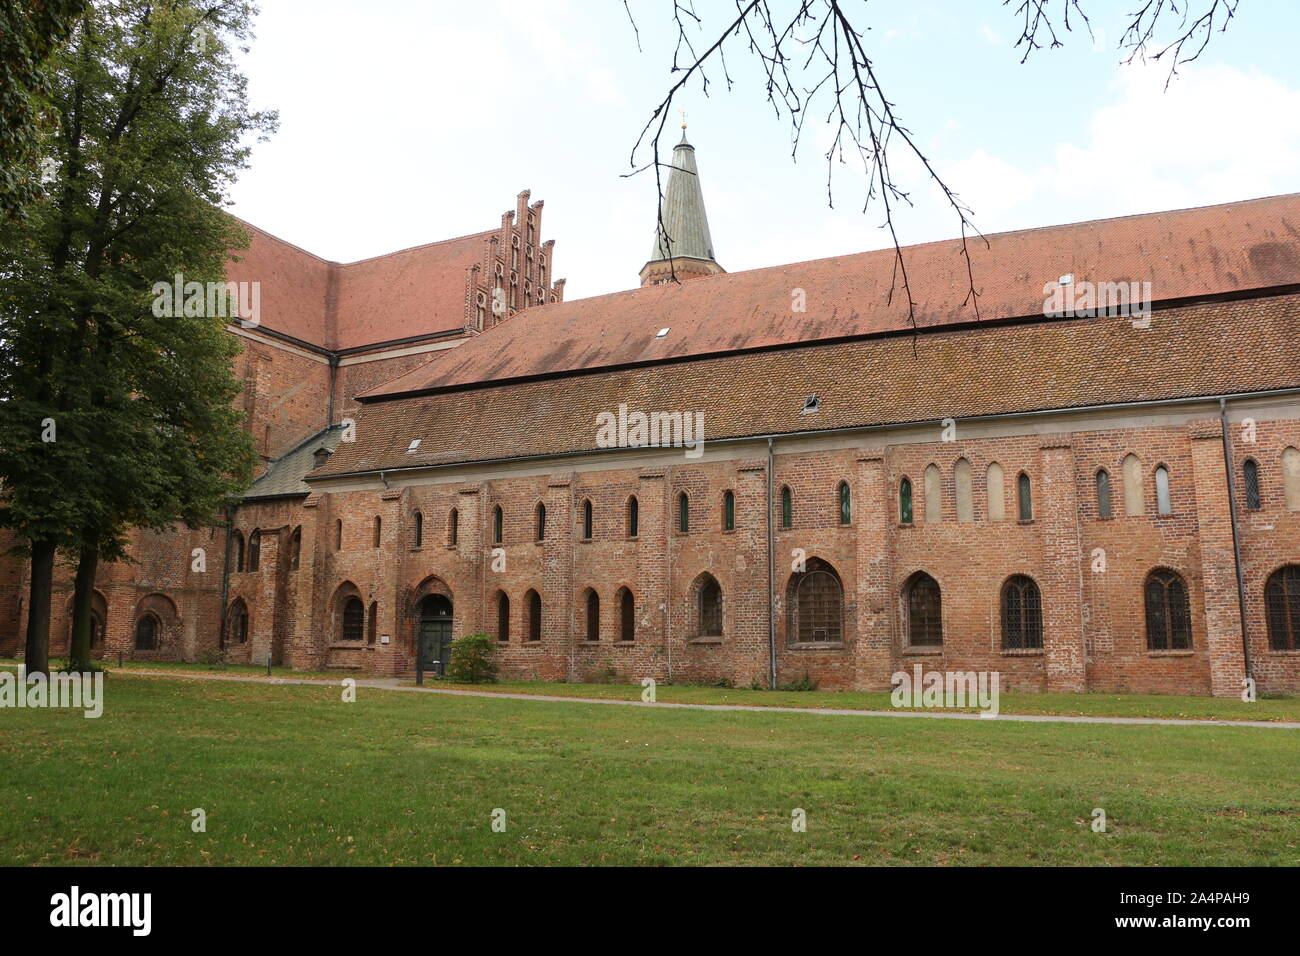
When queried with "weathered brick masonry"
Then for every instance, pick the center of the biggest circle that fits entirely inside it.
(1068, 522)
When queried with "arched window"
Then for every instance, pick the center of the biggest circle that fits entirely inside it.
(237, 623)
(683, 513)
(237, 545)
(379, 531)
(961, 474)
(1282, 607)
(533, 602)
(255, 551)
(846, 503)
(995, 492)
(1291, 478)
(453, 527)
(709, 596)
(626, 616)
(1103, 494)
(1134, 496)
(588, 519)
(1250, 471)
(1025, 497)
(146, 633)
(419, 529)
(1164, 504)
(633, 517)
(924, 611)
(353, 621)
(372, 624)
(498, 524)
(933, 495)
(540, 513)
(338, 535)
(787, 507)
(593, 615)
(1022, 614)
(503, 617)
(816, 605)
(295, 549)
(905, 501)
(728, 511)
(1169, 615)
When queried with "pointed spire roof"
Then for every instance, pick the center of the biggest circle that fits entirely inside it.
(683, 213)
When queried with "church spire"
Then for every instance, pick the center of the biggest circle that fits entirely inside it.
(689, 252)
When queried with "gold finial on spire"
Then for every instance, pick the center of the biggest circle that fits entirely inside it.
(683, 112)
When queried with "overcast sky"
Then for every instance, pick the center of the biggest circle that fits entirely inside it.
(408, 121)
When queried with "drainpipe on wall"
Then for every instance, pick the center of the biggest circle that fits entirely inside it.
(1236, 534)
(669, 537)
(771, 576)
(334, 372)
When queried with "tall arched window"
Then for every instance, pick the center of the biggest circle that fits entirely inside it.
(503, 617)
(498, 524)
(593, 616)
(728, 511)
(709, 596)
(237, 545)
(846, 503)
(683, 513)
(933, 495)
(905, 501)
(1164, 503)
(237, 622)
(1022, 614)
(1291, 478)
(1282, 607)
(995, 492)
(633, 517)
(453, 527)
(353, 621)
(626, 615)
(533, 602)
(1250, 471)
(540, 515)
(787, 507)
(588, 519)
(295, 549)
(924, 611)
(1134, 496)
(379, 532)
(1103, 494)
(419, 529)
(1025, 497)
(961, 474)
(816, 605)
(1169, 615)
(146, 633)
(255, 551)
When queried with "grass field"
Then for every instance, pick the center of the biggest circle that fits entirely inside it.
(292, 775)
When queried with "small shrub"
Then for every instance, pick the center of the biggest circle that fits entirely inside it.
(802, 684)
(213, 657)
(473, 660)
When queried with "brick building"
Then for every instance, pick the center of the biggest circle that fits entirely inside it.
(1080, 501)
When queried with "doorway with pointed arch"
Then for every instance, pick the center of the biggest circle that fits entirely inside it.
(433, 632)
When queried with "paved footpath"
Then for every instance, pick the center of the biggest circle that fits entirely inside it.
(396, 684)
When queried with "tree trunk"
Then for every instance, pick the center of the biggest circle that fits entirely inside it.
(82, 601)
(37, 656)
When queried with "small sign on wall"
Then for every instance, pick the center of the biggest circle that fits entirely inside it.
(383, 639)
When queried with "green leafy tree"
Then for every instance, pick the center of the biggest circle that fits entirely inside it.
(116, 414)
(29, 31)
(473, 660)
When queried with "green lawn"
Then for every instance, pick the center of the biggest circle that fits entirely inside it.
(289, 774)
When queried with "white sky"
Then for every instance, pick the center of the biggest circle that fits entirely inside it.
(409, 121)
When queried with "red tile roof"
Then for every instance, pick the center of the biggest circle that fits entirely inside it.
(417, 291)
(1184, 254)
